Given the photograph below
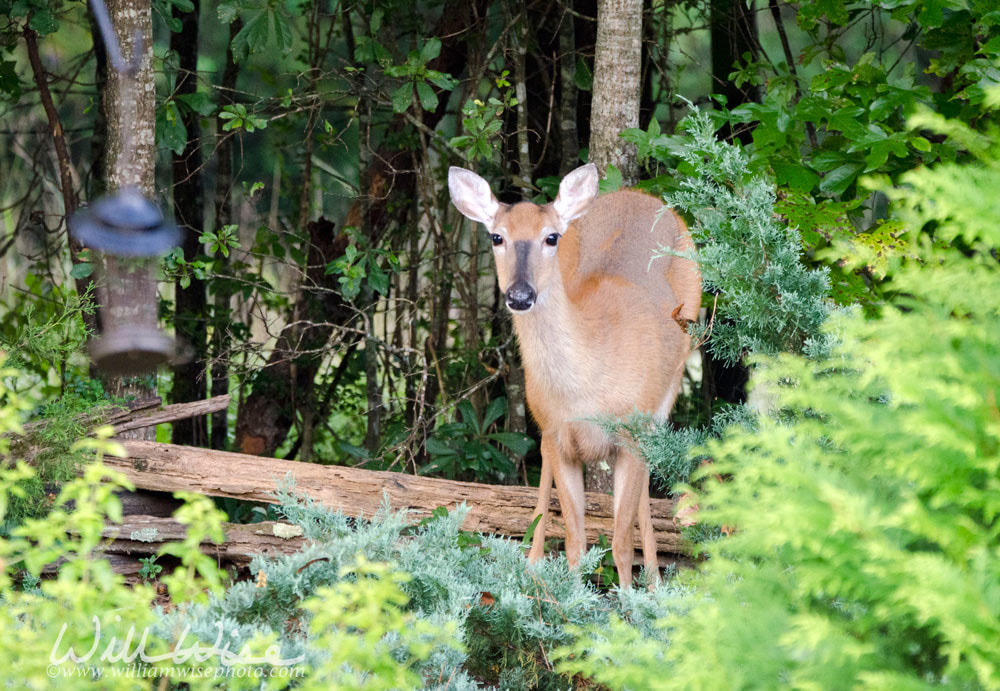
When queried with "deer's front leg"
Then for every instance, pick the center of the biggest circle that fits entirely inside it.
(549, 453)
(568, 473)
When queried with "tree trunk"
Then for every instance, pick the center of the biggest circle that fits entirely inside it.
(190, 306)
(223, 216)
(569, 138)
(267, 414)
(734, 33)
(130, 157)
(69, 193)
(617, 71)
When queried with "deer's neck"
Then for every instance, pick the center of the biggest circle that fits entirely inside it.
(551, 341)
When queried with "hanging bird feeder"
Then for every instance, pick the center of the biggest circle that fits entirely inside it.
(129, 234)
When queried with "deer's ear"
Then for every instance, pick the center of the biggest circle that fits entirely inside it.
(472, 196)
(576, 191)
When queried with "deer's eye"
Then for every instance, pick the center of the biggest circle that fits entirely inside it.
(497, 239)
(552, 240)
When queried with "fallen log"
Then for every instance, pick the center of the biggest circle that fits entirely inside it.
(173, 413)
(140, 536)
(143, 536)
(357, 492)
(131, 416)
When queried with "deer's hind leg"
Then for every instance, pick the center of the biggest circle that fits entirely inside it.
(631, 483)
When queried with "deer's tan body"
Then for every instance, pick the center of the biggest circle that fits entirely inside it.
(594, 320)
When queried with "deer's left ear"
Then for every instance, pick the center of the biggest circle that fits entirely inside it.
(472, 196)
(576, 191)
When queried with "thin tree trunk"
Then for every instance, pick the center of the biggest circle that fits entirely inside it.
(373, 392)
(569, 137)
(190, 305)
(69, 195)
(617, 72)
(130, 111)
(223, 216)
(521, 91)
(733, 33)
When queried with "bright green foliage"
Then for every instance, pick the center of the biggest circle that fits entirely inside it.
(867, 509)
(507, 616)
(768, 302)
(467, 447)
(40, 354)
(62, 613)
(364, 625)
(764, 298)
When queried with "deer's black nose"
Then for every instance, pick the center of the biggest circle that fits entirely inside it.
(520, 297)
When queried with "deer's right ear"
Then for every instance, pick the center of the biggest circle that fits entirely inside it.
(472, 196)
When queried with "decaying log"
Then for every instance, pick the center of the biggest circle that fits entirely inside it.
(104, 415)
(133, 415)
(173, 413)
(140, 536)
(356, 492)
(143, 536)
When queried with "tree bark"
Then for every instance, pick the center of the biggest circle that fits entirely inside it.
(130, 158)
(221, 287)
(733, 33)
(289, 377)
(569, 137)
(500, 509)
(131, 112)
(190, 305)
(69, 194)
(617, 72)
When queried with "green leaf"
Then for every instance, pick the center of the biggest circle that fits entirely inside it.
(840, 178)
(797, 177)
(436, 447)
(520, 444)
(170, 130)
(402, 97)
(376, 20)
(430, 50)
(494, 411)
(200, 102)
(252, 37)
(283, 30)
(827, 160)
(43, 22)
(468, 414)
(9, 83)
(81, 270)
(612, 180)
(441, 80)
(378, 279)
(428, 99)
(530, 533)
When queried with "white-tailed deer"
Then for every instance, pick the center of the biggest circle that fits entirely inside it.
(595, 320)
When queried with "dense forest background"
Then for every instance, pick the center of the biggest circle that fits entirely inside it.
(325, 280)
(838, 163)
